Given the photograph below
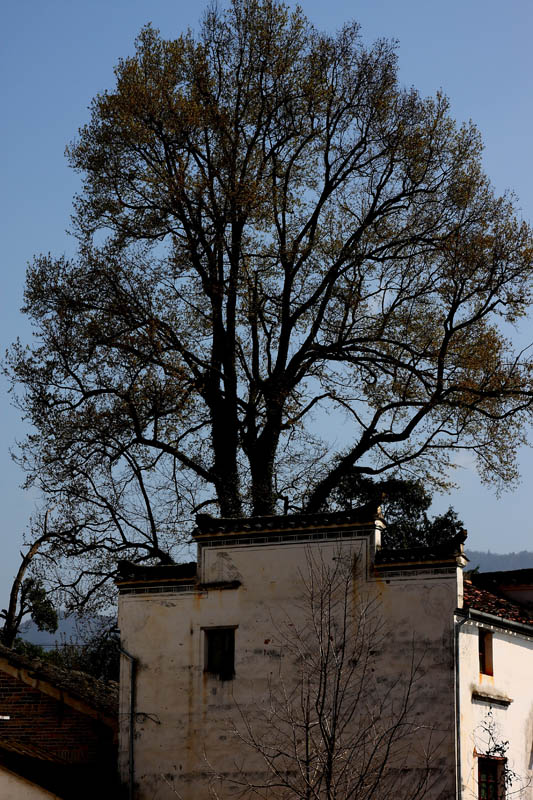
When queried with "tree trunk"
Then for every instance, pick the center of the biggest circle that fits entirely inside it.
(261, 456)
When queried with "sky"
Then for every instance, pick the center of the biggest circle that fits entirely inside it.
(56, 55)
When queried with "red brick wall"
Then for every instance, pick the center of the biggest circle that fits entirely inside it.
(40, 720)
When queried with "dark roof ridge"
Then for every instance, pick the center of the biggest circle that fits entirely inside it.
(127, 570)
(448, 549)
(512, 576)
(205, 523)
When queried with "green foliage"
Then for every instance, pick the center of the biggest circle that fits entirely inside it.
(39, 604)
(404, 505)
(30, 650)
(27, 596)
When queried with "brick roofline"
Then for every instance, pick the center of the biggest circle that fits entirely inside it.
(54, 774)
(31, 751)
(80, 691)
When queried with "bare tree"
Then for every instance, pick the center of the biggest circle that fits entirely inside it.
(332, 726)
(270, 228)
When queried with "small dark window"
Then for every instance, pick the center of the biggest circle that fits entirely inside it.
(485, 652)
(220, 652)
(491, 778)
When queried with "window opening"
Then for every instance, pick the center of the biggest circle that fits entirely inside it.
(491, 778)
(485, 652)
(220, 652)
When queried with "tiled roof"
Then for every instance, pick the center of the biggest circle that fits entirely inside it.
(30, 751)
(160, 572)
(447, 551)
(70, 781)
(100, 696)
(481, 599)
(206, 524)
(50, 772)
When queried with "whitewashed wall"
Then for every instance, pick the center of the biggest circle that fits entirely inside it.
(15, 787)
(513, 723)
(185, 716)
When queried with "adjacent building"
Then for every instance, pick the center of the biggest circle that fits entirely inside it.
(495, 686)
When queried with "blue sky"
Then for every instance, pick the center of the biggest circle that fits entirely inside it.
(55, 56)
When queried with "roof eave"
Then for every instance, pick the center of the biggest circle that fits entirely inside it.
(495, 620)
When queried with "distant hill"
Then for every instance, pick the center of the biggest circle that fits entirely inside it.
(69, 631)
(494, 562)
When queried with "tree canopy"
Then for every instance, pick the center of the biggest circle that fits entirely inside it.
(290, 269)
(404, 505)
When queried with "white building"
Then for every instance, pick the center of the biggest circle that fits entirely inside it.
(495, 686)
(220, 676)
